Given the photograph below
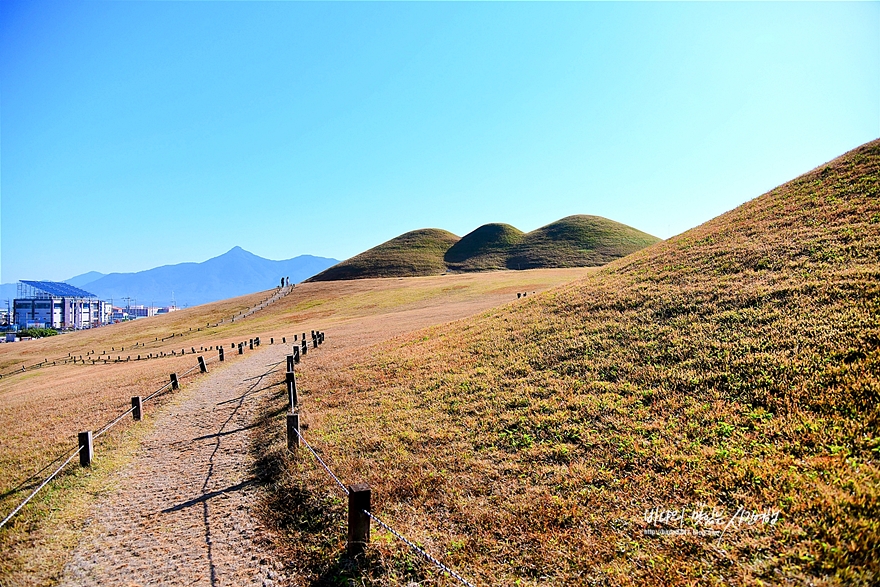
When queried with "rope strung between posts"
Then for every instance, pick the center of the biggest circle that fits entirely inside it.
(323, 464)
(400, 536)
(108, 427)
(33, 476)
(43, 484)
(114, 422)
(427, 556)
(77, 451)
(158, 391)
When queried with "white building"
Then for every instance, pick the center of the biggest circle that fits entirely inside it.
(49, 304)
(133, 312)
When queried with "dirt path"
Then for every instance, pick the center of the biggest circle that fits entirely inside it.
(182, 512)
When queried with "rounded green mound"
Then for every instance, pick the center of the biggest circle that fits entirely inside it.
(578, 241)
(485, 248)
(413, 254)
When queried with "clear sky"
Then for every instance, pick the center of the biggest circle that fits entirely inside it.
(137, 134)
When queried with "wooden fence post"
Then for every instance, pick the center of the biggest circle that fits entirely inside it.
(290, 362)
(271, 340)
(221, 353)
(174, 384)
(241, 348)
(202, 367)
(251, 343)
(86, 450)
(293, 440)
(296, 354)
(138, 412)
(305, 347)
(290, 379)
(358, 521)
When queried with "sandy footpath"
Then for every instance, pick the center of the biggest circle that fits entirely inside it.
(182, 512)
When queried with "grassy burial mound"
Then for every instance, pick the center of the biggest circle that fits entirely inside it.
(487, 247)
(416, 253)
(577, 241)
(574, 241)
(704, 411)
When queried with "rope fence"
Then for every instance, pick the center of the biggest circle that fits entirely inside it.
(424, 554)
(98, 360)
(364, 537)
(359, 495)
(321, 462)
(86, 439)
(43, 484)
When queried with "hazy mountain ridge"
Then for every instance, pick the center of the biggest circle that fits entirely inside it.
(234, 273)
(85, 278)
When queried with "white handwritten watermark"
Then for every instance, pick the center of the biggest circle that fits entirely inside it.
(704, 520)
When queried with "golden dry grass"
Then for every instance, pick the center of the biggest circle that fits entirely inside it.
(41, 410)
(734, 366)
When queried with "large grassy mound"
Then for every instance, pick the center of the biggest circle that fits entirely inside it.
(729, 376)
(577, 241)
(487, 247)
(416, 253)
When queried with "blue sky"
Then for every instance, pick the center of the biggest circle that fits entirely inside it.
(137, 134)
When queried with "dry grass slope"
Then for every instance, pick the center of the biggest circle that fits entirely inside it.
(736, 365)
(415, 253)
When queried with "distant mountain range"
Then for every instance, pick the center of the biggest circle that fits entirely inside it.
(574, 241)
(81, 280)
(234, 273)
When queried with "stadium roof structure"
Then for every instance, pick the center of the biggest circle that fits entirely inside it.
(61, 290)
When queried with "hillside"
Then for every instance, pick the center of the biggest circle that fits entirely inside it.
(415, 253)
(574, 241)
(730, 375)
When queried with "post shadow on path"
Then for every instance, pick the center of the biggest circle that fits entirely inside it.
(255, 479)
(253, 426)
